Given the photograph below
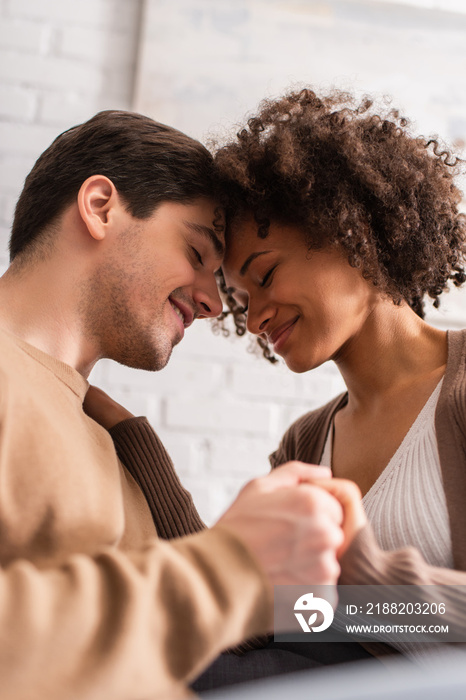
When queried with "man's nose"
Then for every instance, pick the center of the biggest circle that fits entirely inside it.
(208, 302)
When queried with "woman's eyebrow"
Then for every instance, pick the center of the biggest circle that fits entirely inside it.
(249, 260)
(208, 233)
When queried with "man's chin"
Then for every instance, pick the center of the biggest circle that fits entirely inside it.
(158, 362)
(150, 360)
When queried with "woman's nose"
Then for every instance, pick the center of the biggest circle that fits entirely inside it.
(257, 321)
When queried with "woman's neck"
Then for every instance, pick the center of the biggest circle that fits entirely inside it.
(393, 351)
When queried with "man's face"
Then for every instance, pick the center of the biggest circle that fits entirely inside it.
(153, 281)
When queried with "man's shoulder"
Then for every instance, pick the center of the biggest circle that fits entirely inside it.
(18, 370)
(11, 354)
(11, 371)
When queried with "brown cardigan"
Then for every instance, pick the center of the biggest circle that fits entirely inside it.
(364, 562)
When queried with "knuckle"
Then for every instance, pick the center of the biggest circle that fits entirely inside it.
(338, 538)
(352, 489)
(318, 502)
(252, 486)
(328, 568)
(319, 532)
(310, 498)
(335, 539)
(334, 511)
(334, 571)
(323, 534)
(288, 466)
(332, 537)
(305, 503)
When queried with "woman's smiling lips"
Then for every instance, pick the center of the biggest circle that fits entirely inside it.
(281, 334)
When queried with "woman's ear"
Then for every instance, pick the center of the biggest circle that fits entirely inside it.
(97, 201)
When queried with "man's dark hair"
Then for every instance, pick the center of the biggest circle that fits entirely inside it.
(148, 163)
(350, 176)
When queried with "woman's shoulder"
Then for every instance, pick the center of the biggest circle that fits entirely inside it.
(452, 401)
(304, 438)
(312, 419)
(455, 373)
(456, 341)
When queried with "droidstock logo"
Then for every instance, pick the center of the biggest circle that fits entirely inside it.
(308, 603)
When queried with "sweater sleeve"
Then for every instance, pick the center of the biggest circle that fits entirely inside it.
(364, 563)
(127, 625)
(143, 454)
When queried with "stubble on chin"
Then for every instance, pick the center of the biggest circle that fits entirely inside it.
(118, 334)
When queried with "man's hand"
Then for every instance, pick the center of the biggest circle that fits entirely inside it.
(292, 526)
(100, 407)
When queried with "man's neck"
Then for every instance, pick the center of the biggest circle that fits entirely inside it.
(40, 304)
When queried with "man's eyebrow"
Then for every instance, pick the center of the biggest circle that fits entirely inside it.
(249, 260)
(207, 233)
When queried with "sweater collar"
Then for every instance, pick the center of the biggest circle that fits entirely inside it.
(64, 372)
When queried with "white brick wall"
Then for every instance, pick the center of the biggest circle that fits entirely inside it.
(203, 63)
(60, 62)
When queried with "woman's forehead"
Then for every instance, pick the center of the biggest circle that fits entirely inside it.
(248, 234)
(244, 245)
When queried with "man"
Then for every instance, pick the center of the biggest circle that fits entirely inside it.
(113, 250)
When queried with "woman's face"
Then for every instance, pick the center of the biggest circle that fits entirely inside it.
(309, 305)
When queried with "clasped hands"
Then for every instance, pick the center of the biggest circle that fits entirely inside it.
(298, 521)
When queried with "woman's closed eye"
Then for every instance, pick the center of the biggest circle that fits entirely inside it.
(268, 276)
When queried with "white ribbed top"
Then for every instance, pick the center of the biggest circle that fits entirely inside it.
(407, 504)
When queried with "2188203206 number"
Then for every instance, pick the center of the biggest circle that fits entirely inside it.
(405, 608)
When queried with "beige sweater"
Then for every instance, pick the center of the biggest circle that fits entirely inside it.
(92, 603)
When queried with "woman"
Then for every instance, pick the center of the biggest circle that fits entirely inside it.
(340, 223)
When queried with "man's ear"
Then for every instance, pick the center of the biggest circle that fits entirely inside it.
(98, 202)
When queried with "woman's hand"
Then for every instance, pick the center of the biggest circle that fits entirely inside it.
(100, 407)
(349, 497)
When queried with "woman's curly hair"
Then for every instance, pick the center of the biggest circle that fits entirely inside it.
(349, 177)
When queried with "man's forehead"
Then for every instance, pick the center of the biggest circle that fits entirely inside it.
(214, 235)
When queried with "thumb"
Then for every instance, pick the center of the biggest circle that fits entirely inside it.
(349, 496)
